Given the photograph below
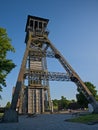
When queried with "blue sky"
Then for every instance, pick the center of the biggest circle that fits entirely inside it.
(73, 30)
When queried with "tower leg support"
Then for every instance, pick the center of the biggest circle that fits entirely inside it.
(10, 116)
(93, 107)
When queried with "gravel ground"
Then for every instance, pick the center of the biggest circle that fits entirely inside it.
(46, 122)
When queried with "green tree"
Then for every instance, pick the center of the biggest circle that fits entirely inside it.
(81, 99)
(8, 105)
(55, 104)
(63, 103)
(6, 65)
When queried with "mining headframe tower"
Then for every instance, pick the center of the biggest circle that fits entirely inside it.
(32, 91)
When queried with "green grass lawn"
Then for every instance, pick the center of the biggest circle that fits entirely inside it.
(85, 119)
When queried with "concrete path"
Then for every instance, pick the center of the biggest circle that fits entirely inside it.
(46, 122)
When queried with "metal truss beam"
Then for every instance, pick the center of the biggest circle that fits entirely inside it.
(52, 76)
(41, 53)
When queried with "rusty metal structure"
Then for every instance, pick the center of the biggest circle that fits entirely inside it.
(34, 96)
(32, 87)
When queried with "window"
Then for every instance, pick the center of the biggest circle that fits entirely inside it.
(31, 23)
(45, 25)
(36, 24)
(40, 24)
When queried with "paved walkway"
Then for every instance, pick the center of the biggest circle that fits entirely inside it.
(46, 122)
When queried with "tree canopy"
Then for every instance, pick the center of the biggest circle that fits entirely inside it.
(6, 65)
(81, 99)
(61, 103)
(8, 104)
(82, 102)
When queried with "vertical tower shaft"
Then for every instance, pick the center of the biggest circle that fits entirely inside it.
(34, 93)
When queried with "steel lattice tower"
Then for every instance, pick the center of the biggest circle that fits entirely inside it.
(32, 92)
(34, 96)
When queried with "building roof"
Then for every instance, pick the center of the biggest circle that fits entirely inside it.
(36, 18)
